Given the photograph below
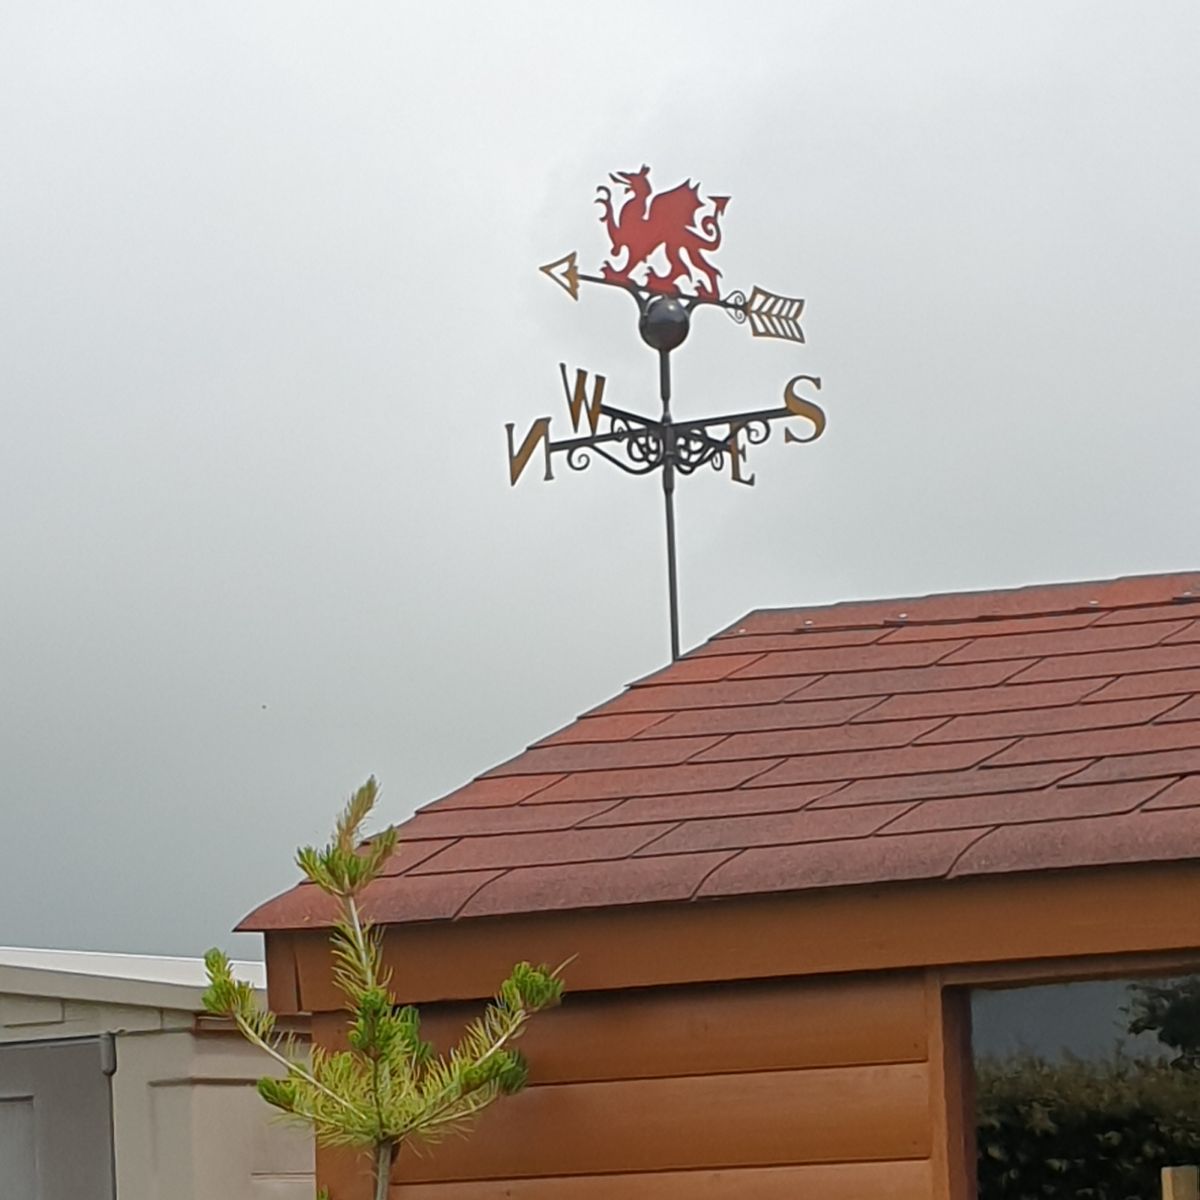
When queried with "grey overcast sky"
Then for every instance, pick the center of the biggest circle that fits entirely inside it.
(268, 295)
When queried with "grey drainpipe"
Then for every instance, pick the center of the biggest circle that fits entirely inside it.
(108, 1065)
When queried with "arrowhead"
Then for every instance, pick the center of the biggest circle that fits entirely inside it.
(565, 273)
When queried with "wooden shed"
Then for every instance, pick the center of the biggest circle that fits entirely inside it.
(786, 864)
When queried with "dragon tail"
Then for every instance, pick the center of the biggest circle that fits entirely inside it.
(710, 224)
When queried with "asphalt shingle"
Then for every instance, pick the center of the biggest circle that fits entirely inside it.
(1037, 729)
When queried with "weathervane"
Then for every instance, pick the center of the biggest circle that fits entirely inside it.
(668, 229)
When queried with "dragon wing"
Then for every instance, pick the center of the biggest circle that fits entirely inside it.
(675, 210)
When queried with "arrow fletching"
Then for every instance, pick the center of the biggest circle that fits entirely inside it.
(774, 316)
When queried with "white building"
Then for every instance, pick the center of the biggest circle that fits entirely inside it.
(114, 1085)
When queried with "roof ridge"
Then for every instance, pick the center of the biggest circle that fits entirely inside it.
(1185, 574)
(904, 621)
(1176, 587)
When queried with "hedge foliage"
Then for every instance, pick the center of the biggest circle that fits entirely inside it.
(1083, 1130)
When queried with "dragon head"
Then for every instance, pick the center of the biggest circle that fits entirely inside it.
(635, 182)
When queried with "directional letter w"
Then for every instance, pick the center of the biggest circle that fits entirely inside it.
(578, 402)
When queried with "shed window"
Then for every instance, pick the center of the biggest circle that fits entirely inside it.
(1086, 1090)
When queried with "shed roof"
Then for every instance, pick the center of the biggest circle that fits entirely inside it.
(968, 734)
(135, 980)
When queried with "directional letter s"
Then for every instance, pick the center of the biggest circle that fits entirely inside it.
(800, 407)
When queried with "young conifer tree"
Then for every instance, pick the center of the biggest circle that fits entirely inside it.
(389, 1088)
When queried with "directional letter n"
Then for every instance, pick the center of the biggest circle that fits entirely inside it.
(518, 460)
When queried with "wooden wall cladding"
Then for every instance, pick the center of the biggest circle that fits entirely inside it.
(768, 1085)
(760, 1025)
(764, 1118)
(842, 1181)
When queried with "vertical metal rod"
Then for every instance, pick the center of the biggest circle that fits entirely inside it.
(668, 480)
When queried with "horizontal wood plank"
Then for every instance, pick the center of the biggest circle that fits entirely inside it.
(989, 920)
(842, 1181)
(768, 1118)
(728, 1027)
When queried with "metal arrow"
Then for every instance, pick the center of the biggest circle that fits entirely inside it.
(769, 314)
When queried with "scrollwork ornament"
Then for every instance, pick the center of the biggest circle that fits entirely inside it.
(694, 448)
(578, 458)
(757, 432)
(634, 467)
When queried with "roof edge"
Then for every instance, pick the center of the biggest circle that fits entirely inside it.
(1119, 592)
(76, 975)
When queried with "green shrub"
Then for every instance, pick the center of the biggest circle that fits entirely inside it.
(389, 1089)
(1084, 1130)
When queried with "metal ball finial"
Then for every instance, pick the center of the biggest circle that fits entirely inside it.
(664, 323)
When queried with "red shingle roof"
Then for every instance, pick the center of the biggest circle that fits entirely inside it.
(1043, 728)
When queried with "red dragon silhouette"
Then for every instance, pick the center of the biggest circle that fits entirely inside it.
(668, 220)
